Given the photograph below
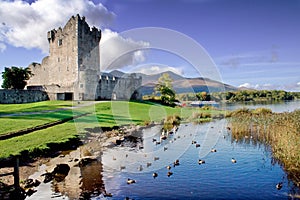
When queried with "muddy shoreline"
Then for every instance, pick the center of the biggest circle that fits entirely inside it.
(72, 153)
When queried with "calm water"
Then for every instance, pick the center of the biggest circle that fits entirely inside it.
(253, 176)
(283, 106)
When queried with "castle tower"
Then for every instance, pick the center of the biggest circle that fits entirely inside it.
(71, 71)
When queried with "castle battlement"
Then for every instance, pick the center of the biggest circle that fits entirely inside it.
(72, 68)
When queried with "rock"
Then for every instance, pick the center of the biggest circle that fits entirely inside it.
(86, 160)
(48, 177)
(59, 173)
(62, 169)
(30, 183)
(30, 192)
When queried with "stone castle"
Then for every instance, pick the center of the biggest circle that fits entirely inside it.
(72, 69)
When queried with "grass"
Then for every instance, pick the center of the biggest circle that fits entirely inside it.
(33, 107)
(104, 114)
(279, 130)
(37, 141)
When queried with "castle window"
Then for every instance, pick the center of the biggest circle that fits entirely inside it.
(81, 85)
(59, 42)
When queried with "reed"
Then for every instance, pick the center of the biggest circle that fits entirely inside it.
(281, 131)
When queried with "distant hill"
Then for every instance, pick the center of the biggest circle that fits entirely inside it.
(180, 84)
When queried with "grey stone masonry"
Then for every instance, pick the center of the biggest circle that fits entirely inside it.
(72, 69)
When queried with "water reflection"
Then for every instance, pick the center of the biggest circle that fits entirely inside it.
(253, 173)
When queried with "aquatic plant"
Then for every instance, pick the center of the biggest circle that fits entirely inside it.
(281, 131)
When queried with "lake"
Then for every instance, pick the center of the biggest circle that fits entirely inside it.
(280, 106)
(253, 176)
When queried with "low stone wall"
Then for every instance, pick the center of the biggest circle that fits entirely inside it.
(22, 96)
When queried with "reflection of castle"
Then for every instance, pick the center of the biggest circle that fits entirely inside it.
(72, 69)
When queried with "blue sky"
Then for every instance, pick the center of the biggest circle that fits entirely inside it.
(253, 43)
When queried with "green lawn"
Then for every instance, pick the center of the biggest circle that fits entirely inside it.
(103, 114)
(33, 107)
(16, 123)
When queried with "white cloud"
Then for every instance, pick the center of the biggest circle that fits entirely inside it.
(117, 51)
(2, 47)
(266, 86)
(298, 83)
(155, 69)
(25, 25)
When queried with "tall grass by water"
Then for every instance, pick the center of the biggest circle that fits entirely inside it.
(281, 131)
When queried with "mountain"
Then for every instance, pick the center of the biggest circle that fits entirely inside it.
(180, 84)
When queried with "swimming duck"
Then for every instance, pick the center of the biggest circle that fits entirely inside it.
(194, 142)
(201, 161)
(156, 158)
(149, 164)
(165, 148)
(154, 175)
(169, 167)
(233, 160)
(130, 181)
(122, 167)
(176, 163)
(197, 145)
(169, 174)
(213, 150)
(279, 186)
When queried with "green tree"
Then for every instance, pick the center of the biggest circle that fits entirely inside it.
(15, 77)
(164, 87)
(203, 96)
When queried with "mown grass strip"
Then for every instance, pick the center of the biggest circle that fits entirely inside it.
(39, 127)
(33, 107)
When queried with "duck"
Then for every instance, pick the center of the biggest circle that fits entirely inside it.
(130, 181)
(154, 175)
(169, 167)
(201, 161)
(233, 160)
(122, 167)
(140, 168)
(165, 148)
(156, 158)
(176, 163)
(169, 174)
(194, 142)
(154, 140)
(213, 150)
(279, 186)
(197, 145)
(149, 164)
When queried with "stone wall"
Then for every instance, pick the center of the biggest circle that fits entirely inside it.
(73, 64)
(118, 88)
(22, 96)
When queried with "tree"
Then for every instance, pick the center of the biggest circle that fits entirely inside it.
(15, 77)
(164, 87)
(203, 96)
